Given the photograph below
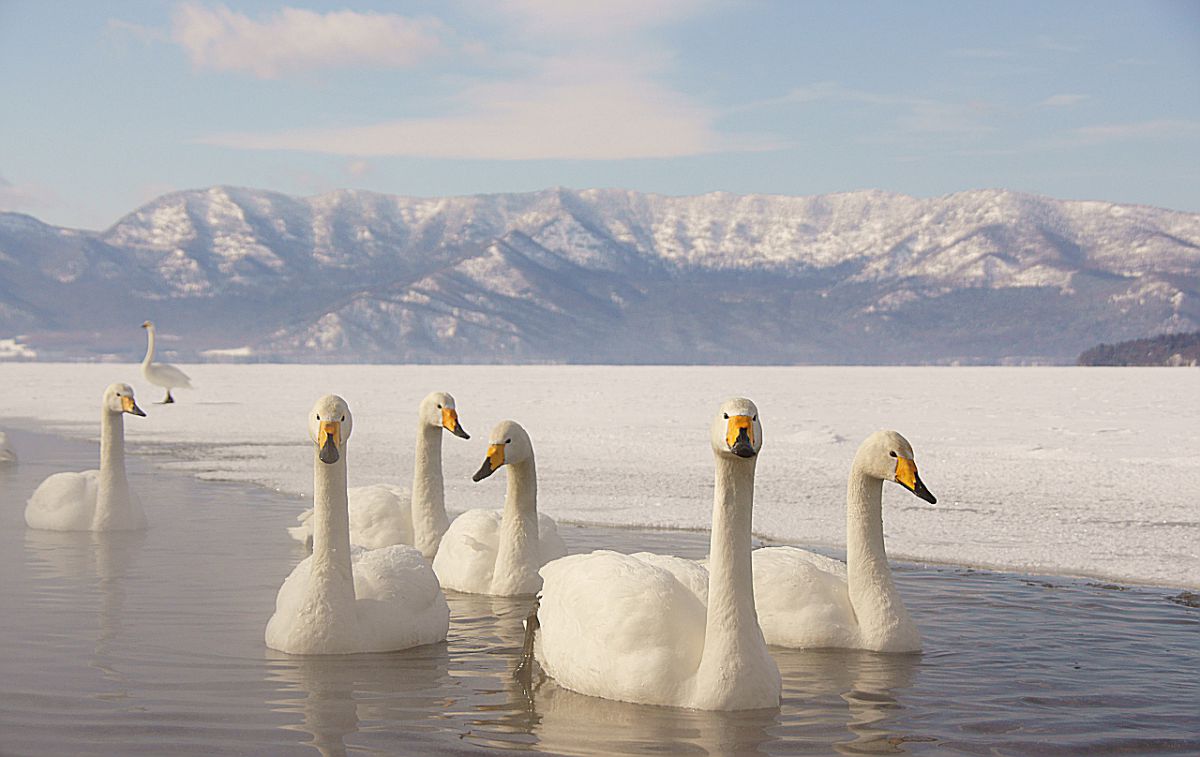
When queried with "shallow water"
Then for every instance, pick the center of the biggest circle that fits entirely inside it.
(149, 643)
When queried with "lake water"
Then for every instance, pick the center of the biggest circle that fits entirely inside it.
(153, 643)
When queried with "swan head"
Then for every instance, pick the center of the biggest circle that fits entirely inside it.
(736, 431)
(329, 426)
(118, 398)
(507, 444)
(438, 411)
(888, 456)
(148, 325)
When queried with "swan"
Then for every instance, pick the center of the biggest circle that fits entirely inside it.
(662, 630)
(94, 500)
(499, 552)
(161, 374)
(8, 455)
(343, 599)
(807, 600)
(383, 514)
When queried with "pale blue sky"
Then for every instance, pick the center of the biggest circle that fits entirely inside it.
(106, 105)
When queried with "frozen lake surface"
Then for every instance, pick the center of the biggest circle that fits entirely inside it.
(1068, 471)
(152, 643)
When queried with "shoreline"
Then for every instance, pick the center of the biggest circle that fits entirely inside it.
(1097, 580)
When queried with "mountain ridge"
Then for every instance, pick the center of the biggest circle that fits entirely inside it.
(604, 275)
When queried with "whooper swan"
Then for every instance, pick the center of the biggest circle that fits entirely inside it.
(807, 600)
(343, 599)
(161, 374)
(660, 630)
(94, 500)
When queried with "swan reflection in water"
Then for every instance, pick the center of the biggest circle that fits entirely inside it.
(92, 568)
(387, 700)
(847, 698)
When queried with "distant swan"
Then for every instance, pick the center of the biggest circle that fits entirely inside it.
(94, 500)
(499, 552)
(661, 630)
(343, 599)
(8, 455)
(161, 374)
(807, 600)
(384, 514)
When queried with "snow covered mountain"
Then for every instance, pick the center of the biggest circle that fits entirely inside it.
(603, 276)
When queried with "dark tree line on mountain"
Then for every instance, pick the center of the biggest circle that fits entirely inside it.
(1167, 349)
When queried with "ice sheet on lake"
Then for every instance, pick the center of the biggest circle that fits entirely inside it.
(1053, 470)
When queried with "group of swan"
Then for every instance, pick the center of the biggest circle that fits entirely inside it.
(644, 628)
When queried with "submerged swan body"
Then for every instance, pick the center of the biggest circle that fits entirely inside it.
(93, 500)
(807, 600)
(383, 514)
(661, 630)
(8, 456)
(500, 552)
(161, 374)
(343, 599)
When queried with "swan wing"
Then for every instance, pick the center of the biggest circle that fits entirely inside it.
(619, 627)
(380, 515)
(64, 502)
(166, 375)
(802, 599)
(399, 602)
(466, 558)
(550, 543)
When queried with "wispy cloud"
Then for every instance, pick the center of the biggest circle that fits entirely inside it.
(25, 197)
(1064, 100)
(1138, 130)
(575, 81)
(294, 40)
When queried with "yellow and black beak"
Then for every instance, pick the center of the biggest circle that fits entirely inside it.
(906, 476)
(491, 463)
(739, 435)
(329, 440)
(450, 423)
(129, 406)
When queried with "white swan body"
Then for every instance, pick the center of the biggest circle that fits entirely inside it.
(500, 552)
(161, 374)
(662, 630)
(93, 500)
(383, 514)
(8, 455)
(343, 600)
(807, 600)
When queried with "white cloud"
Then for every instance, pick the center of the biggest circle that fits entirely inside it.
(1064, 100)
(551, 119)
(25, 198)
(1138, 130)
(293, 39)
(596, 20)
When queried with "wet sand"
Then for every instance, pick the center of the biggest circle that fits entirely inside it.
(152, 643)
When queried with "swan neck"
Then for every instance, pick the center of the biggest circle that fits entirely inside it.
(332, 584)
(112, 495)
(518, 556)
(149, 348)
(869, 579)
(428, 491)
(732, 622)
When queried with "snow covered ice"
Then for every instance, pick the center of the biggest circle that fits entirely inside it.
(1091, 472)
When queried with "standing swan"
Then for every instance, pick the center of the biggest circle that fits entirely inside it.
(94, 500)
(807, 600)
(650, 629)
(342, 600)
(383, 514)
(499, 552)
(161, 374)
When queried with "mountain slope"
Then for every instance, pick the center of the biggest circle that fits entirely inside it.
(606, 276)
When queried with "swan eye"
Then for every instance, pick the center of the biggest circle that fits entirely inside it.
(439, 407)
(726, 416)
(508, 441)
(318, 416)
(755, 418)
(892, 453)
(343, 419)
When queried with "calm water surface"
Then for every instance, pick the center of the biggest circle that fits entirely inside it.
(153, 643)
